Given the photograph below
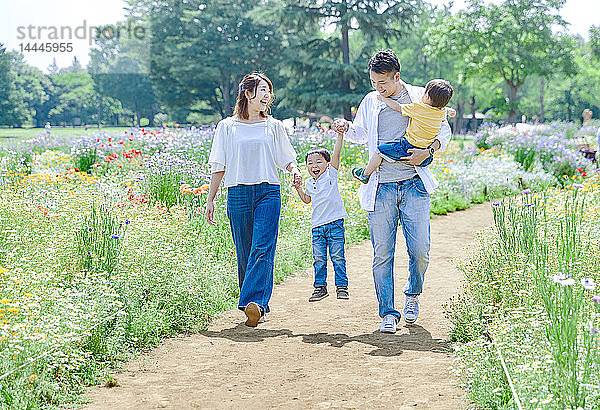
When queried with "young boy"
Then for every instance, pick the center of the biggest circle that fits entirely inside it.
(426, 118)
(327, 219)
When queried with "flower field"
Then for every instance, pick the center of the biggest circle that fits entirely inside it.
(104, 251)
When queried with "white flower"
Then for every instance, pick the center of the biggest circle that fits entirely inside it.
(588, 283)
(559, 277)
(568, 282)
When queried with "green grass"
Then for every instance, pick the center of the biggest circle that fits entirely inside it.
(68, 132)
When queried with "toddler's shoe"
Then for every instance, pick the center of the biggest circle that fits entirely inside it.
(319, 293)
(342, 292)
(359, 173)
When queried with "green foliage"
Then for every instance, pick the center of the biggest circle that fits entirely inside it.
(84, 159)
(511, 41)
(98, 241)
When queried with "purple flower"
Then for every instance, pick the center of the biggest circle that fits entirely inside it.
(588, 283)
(596, 298)
(577, 186)
(115, 236)
(127, 221)
(496, 203)
(526, 191)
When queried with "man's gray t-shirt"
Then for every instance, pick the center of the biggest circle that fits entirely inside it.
(391, 126)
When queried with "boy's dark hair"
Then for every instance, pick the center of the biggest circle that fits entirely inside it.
(440, 92)
(384, 61)
(321, 151)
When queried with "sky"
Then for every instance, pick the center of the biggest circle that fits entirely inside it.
(78, 15)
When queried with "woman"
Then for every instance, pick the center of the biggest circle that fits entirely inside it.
(246, 152)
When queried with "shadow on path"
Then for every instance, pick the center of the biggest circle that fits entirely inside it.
(418, 339)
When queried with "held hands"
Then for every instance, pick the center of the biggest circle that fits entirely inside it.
(297, 182)
(340, 126)
(296, 177)
(451, 112)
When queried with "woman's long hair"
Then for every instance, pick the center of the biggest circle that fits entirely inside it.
(250, 83)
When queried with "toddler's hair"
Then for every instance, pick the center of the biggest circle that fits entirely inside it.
(321, 151)
(440, 92)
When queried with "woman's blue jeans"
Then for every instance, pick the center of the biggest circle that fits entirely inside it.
(253, 212)
(406, 202)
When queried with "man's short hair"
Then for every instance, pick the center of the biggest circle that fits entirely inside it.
(384, 61)
(440, 92)
(321, 151)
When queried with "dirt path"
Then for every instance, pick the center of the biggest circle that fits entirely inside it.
(315, 355)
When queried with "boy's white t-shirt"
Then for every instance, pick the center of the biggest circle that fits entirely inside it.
(325, 196)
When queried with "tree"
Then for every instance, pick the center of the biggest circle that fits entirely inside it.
(35, 88)
(120, 70)
(511, 40)
(201, 50)
(13, 110)
(323, 75)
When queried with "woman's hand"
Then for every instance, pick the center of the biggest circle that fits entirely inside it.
(210, 213)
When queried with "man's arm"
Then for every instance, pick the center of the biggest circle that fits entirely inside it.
(337, 151)
(355, 131)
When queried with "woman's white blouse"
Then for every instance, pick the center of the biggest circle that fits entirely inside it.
(250, 153)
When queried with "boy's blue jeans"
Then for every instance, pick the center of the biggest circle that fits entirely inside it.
(253, 212)
(330, 236)
(394, 151)
(406, 202)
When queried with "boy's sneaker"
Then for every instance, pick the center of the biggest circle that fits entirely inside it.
(342, 292)
(411, 309)
(319, 293)
(388, 325)
(359, 173)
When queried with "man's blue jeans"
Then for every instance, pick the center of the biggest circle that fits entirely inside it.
(406, 202)
(329, 235)
(253, 212)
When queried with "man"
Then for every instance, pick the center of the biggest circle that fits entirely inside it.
(398, 191)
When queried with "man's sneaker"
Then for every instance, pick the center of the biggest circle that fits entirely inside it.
(253, 313)
(388, 325)
(319, 293)
(411, 309)
(342, 292)
(359, 173)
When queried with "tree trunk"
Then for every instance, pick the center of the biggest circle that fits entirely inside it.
(99, 111)
(512, 114)
(473, 120)
(542, 85)
(569, 106)
(460, 109)
(225, 87)
(346, 61)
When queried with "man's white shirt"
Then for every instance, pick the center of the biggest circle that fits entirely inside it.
(363, 130)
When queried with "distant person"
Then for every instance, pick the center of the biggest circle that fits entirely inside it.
(247, 150)
(328, 214)
(47, 127)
